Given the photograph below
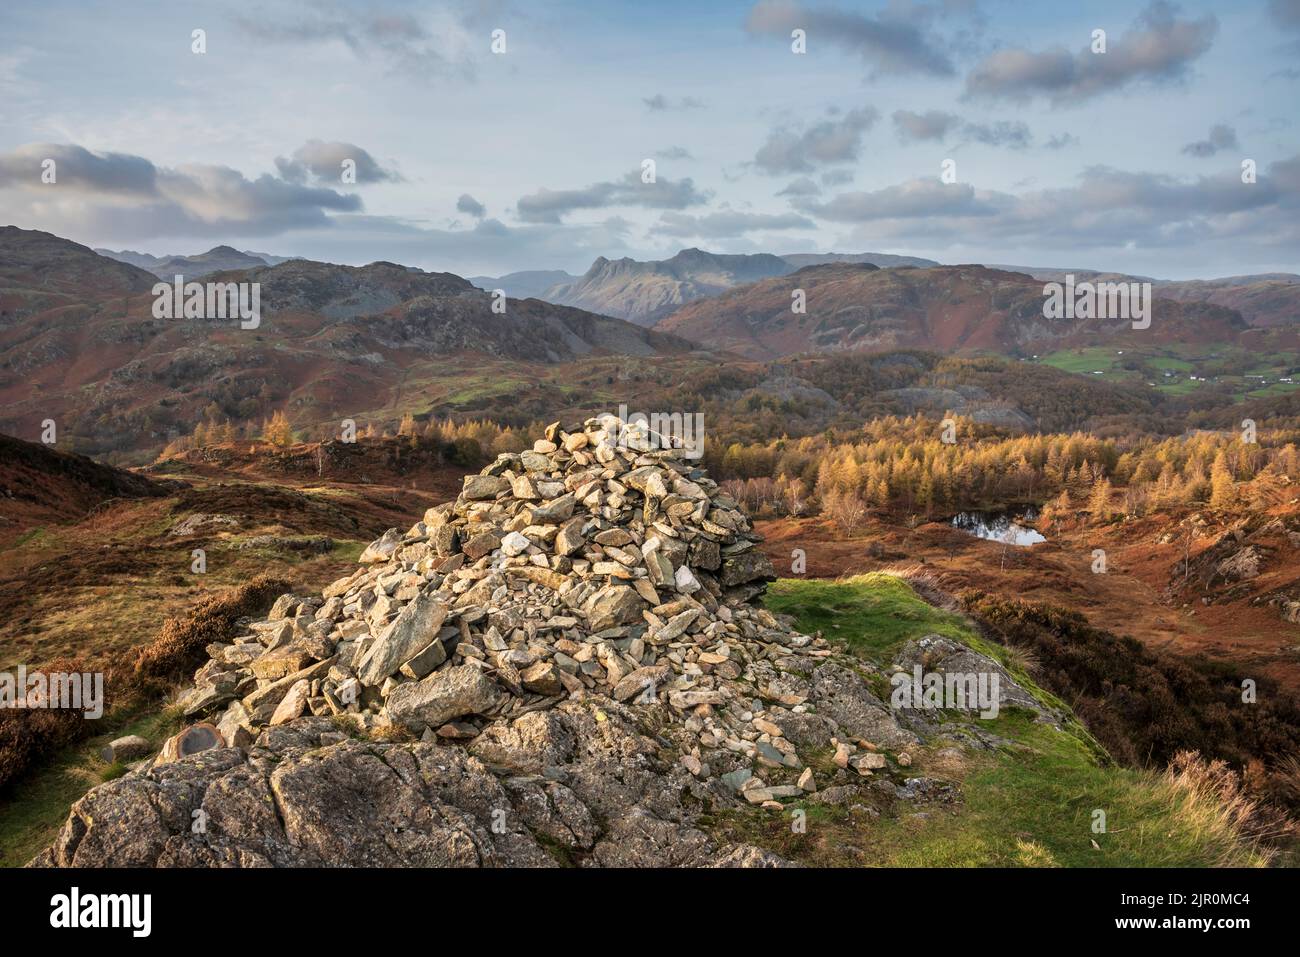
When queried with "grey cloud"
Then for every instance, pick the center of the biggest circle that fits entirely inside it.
(802, 186)
(931, 125)
(674, 153)
(890, 45)
(1104, 208)
(1158, 48)
(471, 206)
(1059, 141)
(323, 162)
(916, 198)
(726, 224)
(550, 206)
(78, 169)
(938, 125)
(1011, 134)
(1285, 13)
(1222, 137)
(660, 103)
(834, 140)
(836, 177)
(397, 38)
(126, 196)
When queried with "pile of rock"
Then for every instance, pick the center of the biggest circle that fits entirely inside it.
(571, 644)
(596, 563)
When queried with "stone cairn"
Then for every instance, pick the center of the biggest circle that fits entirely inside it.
(599, 563)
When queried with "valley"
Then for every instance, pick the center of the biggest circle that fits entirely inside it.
(231, 447)
(1138, 595)
(780, 436)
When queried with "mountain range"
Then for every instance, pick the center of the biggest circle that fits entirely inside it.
(526, 284)
(79, 343)
(215, 259)
(645, 291)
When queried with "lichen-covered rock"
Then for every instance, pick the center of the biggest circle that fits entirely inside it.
(840, 693)
(941, 655)
(299, 798)
(442, 696)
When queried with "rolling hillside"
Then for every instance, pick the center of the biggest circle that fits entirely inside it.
(945, 308)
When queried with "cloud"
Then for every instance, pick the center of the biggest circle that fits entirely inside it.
(114, 199)
(552, 205)
(1011, 134)
(1285, 14)
(802, 186)
(438, 42)
(726, 224)
(915, 198)
(1104, 208)
(1222, 137)
(931, 125)
(674, 153)
(834, 140)
(888, 44)
(471, 206)
(938, 125)
(324, 163)
(78, 170)
(1159, 48)
(836, 177)
(127, 196)
(660, 103)
(489, 247)
(1059, 141)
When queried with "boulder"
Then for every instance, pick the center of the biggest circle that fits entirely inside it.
(441, 697)
(382, 548)
(413, 630)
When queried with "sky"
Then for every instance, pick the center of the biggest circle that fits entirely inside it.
(533, 156)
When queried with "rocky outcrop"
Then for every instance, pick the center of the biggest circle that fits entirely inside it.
(1242, 565)
(940, 655)
(582, 782)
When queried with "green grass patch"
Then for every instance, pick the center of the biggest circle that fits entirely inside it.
(32, 812)
(1031, 803)
(875, 615)
(1036, 805)
(872, 615)
(1083, 361)
(30, 537)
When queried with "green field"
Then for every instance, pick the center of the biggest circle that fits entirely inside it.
(1180, 370)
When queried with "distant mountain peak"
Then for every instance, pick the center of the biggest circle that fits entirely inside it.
(642, 291)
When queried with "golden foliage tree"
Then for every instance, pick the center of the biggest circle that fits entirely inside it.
(276, 430)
